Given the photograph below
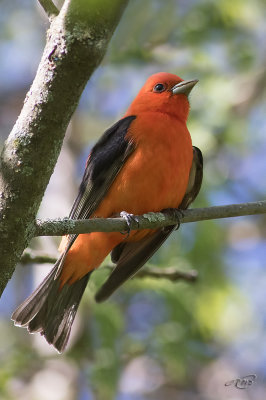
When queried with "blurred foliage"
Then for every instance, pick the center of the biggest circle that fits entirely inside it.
(156, 338)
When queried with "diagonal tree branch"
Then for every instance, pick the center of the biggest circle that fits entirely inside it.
(49, 8)
(65, 226)
(76, 43)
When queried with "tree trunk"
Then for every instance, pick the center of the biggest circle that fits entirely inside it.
(76, 43)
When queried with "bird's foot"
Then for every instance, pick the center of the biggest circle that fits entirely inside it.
(130, 219)
(176, 213)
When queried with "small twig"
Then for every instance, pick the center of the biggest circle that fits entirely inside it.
(30, 256)
(50, 9)
(65, 226)
(170, 273)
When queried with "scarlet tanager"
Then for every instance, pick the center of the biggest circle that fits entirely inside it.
(144, 162)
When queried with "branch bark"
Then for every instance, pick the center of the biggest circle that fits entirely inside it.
(65, 226)
(76, 44)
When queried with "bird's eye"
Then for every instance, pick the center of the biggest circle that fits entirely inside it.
(160, 87)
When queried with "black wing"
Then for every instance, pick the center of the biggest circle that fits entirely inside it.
(195, 179)
(105, 161)
(131, 256)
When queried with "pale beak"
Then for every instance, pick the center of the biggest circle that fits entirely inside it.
(184, 87)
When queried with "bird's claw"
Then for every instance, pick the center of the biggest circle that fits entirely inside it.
(130, 218)
(176, 213)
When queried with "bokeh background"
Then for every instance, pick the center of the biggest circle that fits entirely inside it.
(155, 339)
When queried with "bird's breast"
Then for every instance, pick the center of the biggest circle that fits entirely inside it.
(156, 174)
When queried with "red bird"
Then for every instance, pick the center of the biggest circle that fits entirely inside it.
(145, 162)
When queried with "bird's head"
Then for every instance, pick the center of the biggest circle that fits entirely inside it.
(165, 93)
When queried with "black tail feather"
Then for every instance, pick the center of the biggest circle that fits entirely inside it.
(50, 310)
